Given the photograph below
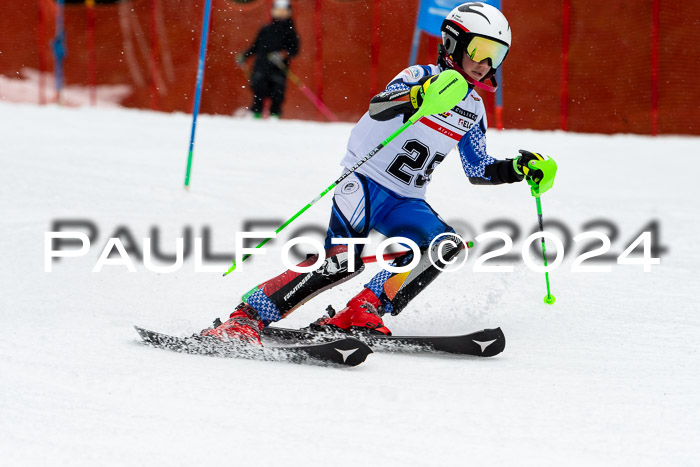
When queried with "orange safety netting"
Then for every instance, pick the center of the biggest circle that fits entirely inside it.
(145, 55)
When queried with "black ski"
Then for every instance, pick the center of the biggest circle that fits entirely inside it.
(343, 350)
(486, 343)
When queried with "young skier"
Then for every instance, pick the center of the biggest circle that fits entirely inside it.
(387, 192)
(274, 46)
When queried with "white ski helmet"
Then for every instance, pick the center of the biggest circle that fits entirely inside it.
(478, 29)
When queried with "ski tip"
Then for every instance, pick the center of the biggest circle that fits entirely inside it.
(142, 332)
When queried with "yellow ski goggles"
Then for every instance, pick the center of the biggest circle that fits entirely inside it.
(480, 48)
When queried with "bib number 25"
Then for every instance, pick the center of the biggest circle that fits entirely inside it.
(410, 167)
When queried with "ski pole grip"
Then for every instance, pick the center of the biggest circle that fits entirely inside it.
(447, 91)
(549, 171)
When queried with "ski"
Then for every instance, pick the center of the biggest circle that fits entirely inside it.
(343, 350)
(485, 343)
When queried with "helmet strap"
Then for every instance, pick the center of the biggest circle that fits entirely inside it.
(480, 84)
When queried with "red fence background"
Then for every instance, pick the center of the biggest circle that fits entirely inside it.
(614, 78)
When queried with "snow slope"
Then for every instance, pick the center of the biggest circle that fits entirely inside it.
(606, 376)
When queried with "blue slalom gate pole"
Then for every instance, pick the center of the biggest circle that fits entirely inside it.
(59, 48)
(198, 86)
(416, 38)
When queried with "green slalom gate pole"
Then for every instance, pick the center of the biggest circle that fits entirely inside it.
(444, 93)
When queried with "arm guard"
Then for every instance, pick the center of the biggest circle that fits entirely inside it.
(398, 99)
(389, 104)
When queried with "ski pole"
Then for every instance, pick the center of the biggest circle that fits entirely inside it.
(274, 58)
(536, 189)
(549, 298)
(444, 93)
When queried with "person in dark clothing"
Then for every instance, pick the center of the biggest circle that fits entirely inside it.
(273, 48)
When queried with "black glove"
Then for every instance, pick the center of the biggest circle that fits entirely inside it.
(521, 164)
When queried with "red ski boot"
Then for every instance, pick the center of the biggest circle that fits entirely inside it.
(243, 325)
(360, 314)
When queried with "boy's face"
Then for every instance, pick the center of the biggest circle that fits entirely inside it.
(475, 70)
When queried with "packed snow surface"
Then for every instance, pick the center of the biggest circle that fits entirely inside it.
(606, 376)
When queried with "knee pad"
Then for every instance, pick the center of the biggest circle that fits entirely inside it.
(401, 288)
